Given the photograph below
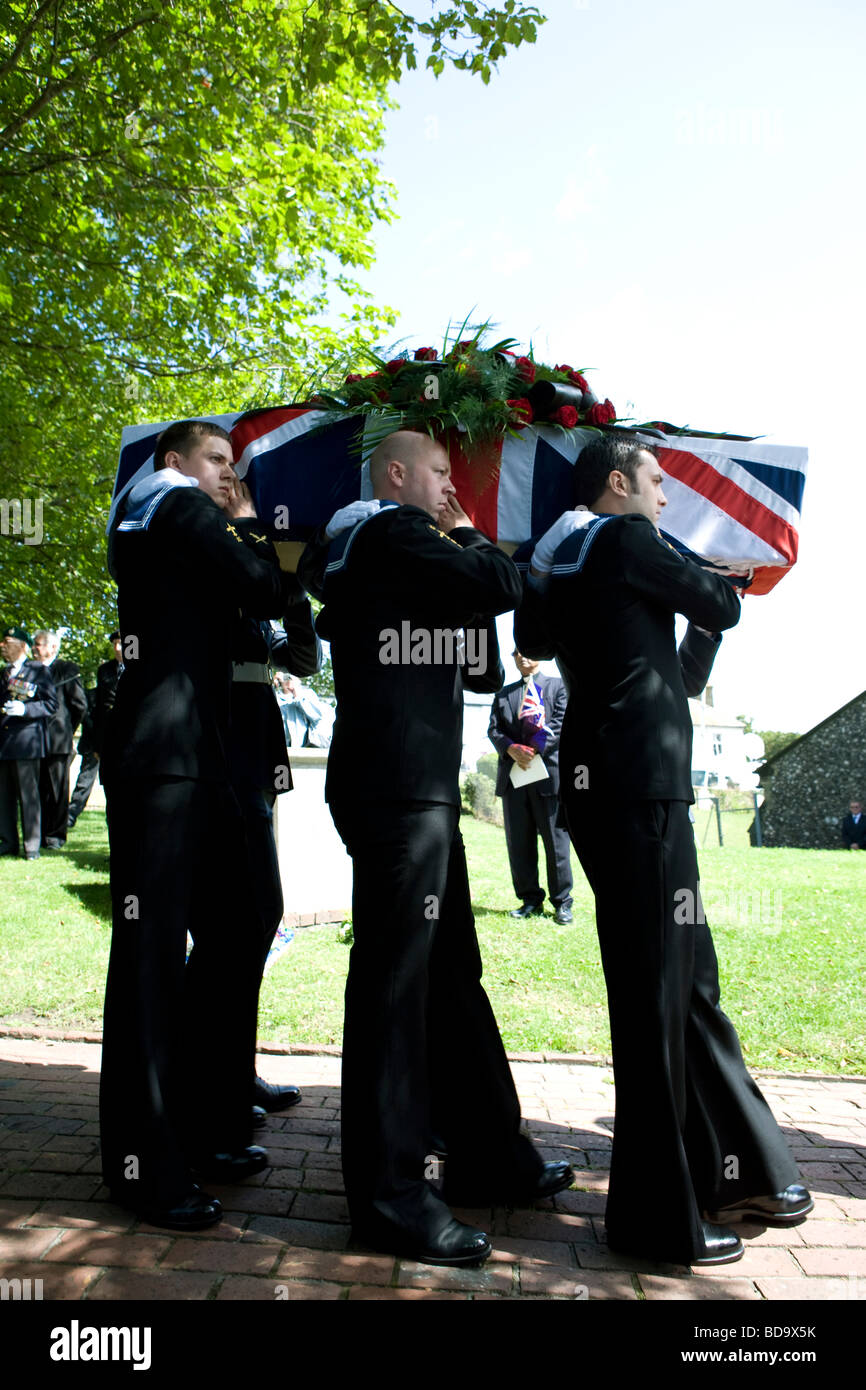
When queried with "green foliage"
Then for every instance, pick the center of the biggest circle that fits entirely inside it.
(183, 191)
(478, 797)
(488, 765)
(775, 740)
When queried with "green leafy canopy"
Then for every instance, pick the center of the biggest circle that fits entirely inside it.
(187, 191)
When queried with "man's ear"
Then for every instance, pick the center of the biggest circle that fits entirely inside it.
(396, 472)
(175, 460)
(619, 483)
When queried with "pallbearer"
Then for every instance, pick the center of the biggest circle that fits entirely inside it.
(423, 1062)
(179, 1042)
(695, 1145)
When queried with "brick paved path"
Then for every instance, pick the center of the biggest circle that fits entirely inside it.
(284, 1233)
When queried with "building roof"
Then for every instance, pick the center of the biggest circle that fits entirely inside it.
(795, 743)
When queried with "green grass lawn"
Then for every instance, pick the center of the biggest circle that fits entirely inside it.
(788, 926)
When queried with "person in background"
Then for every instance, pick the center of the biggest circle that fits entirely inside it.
(260, 772)
(59, 736)
(27, 702)
(525, 724)
(853, 827)
(89, 766)
(306, 720)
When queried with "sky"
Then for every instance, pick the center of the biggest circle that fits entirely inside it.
(671, 194)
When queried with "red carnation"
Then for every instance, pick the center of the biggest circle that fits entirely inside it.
(522, 409)
(526, 369)
(601, 414)
(395, 366)
(425, 355)
(565, 415)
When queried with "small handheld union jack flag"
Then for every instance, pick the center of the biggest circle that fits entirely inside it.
(533, 730)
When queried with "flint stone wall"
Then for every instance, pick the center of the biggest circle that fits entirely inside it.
(809, 784)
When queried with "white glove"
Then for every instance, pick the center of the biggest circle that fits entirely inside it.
(14, 707)
(542, 556)
(349, 516)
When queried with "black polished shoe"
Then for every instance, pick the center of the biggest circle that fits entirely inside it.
(192, 1213)
(232, 1167)
(454, 1244)
(786, 1208)
(721, 1246)
(528, 910)
(562, 916)
(553, 1178)
(260, 1116)
(272, 1098)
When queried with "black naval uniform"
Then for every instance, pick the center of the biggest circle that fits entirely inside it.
(22, 747)
(693, 1132)
(54, 772)
(179, 1042)
(89, 766)
(422, 1055)
(259, 764)
(532, 810)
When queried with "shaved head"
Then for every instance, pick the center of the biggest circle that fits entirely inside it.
(414, 470)
(403, 446)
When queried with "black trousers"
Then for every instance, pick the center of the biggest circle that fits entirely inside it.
(422, 1055)
(692, 1130)
(530, 812)
(54, 795)
(19, 786)
(179, 1040)
(83, 785)
(266, 892)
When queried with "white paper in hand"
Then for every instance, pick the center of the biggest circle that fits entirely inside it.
(536, 772)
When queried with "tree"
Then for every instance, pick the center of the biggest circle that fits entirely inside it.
(184, 188)
(775, 740)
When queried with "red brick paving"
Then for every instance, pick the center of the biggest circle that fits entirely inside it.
(284, 1235)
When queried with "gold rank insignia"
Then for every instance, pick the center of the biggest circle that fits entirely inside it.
(232, 532)
(431, 527)
(261, 539)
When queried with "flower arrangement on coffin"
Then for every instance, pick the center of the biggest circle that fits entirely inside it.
(482, 392)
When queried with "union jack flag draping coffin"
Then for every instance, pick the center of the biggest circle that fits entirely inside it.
(734, 504)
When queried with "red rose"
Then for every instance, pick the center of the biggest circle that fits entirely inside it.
(601, 414)
(395, 366)
(565, 415)
(526, 369)
(522, 409)
(578, 380)
(425, 354)
(564, 367)
(372, 376)
(353, 377)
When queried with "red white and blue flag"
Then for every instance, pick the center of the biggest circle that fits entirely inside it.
(533, 730)
(735, 504)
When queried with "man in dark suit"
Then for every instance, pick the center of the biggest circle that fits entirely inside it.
(532, 810)
(27, 702)
(260, 771)
(695, 1144)
(410, 594)
(853, 828)
(100, 702)
(71, 709)
(179, 1041)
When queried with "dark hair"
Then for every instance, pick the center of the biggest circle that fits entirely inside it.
(598, 460)
(180, 436)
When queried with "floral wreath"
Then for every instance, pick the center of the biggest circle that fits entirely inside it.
(483, 392)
